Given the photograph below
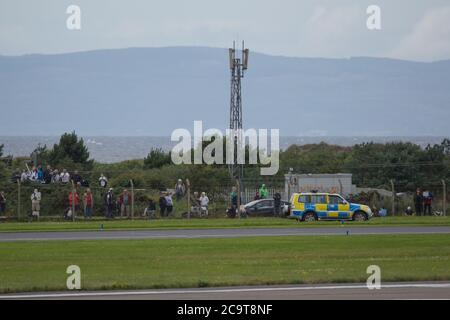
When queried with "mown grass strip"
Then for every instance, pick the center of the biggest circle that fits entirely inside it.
(176, 263)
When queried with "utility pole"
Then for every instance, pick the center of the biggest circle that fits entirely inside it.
(237, 67)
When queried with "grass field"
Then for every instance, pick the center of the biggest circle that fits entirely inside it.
(213, 223)
(127, 264)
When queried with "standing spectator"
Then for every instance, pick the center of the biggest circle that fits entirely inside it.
(65, 176)
(150, 209)
(428, 201)
(74, 201)
(24, 176)
(169, 203)
(102, 181)
(263, 192)
(234, 203)
(56, 177)
(33, 176)
(109, 203)
(204, 201)
(277, 204)
(162, 204)
(257, 196)
(195, 207)
(2, 202)
(180, 189)
(40, 175)
(124, 202)
(418, 202)
(88, 202)
(77, 178)
(35, 203)
(48, 175)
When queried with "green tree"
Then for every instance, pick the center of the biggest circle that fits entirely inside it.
(314, 158)
(1, 150)
(40, 154)
(70, 148)
(157, 158)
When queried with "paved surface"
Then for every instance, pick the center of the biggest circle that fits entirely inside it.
(215, 233)
(436, 290)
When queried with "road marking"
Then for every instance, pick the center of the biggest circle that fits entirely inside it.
(231, 290)
(234, 235)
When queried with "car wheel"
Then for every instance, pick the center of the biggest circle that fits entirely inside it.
(309, 217)
(359, 216)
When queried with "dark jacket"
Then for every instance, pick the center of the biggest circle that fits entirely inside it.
(418, 200)
(109, 198)
(162, 202)
(277, 199)
(151, 205)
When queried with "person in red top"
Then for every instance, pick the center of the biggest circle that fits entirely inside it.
(125, 202)
(74, 201)
(88, 201)
(427, 202)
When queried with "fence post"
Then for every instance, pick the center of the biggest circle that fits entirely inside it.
(18, 200)
(393, 197)
(132, 199)
(73, 201)
(239, 198)
(188, 190)
(444, 198)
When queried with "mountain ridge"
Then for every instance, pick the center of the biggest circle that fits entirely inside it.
(152, 91)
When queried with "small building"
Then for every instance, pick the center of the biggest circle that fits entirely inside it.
(334, 183)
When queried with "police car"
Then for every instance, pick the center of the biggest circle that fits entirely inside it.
(326, 206)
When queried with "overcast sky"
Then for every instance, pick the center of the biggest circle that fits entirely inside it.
(411, 29)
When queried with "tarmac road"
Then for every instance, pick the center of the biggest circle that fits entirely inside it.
(215, 233)
(389, 291)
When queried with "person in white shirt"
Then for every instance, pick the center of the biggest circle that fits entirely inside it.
(204, 201)
(56, 178)
(32, 176)
(35, 203)
(24, 176)
(102, 181)
(65, 176)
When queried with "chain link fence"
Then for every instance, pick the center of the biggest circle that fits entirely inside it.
(54, 202)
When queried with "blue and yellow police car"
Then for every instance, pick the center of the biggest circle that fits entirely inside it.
(326, 206)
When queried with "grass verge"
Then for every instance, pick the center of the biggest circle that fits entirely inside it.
(82, 225)
(134, 264)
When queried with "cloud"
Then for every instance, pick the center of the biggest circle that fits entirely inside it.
(330, 31)
(429, 40)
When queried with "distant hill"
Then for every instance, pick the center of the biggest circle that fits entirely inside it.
(151, 91)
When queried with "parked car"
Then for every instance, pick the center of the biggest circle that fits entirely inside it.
(326, 206)
(265, 207)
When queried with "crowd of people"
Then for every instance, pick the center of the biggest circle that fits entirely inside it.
(48, 175)
(120, 205)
